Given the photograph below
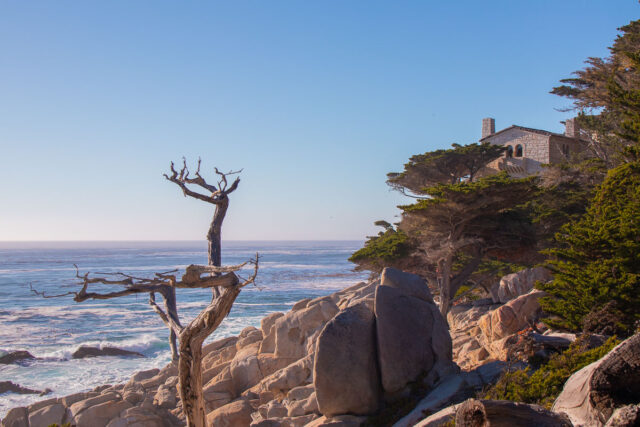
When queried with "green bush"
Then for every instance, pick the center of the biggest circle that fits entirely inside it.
(544, 385)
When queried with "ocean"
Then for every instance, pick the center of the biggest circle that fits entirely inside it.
(53, 328)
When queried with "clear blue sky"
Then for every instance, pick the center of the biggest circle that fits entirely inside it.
(317, 101)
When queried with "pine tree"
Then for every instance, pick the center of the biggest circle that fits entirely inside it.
(597, 260)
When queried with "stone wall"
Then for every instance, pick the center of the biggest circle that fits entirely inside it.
(535, 146)
(572, 147)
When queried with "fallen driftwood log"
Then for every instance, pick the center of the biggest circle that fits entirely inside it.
(498, 413)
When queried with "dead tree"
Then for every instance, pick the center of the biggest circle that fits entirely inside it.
(219, 197)
(225, 285)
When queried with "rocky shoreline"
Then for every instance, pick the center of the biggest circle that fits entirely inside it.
(376, 353)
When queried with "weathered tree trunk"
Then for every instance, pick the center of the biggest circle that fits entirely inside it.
(445, 285)
(190, 363)
(170, 303)
(214, 236)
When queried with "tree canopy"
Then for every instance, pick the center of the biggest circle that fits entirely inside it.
(597, 259)
(448, 166)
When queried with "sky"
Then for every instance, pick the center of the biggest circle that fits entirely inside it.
(315, 101)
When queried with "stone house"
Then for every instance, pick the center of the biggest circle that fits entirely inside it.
(528, 149)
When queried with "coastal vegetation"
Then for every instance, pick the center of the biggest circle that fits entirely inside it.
(543, 385)
(579, 217)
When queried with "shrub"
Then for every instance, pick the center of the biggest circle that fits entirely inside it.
(545, 384)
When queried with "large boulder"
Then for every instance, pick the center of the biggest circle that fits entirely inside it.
(16, 417)
(413, 338)
(294, 329)
(100, 415)
(52, 414)
(514, 316)
(513, 285)
(345, 370)
(591, 395)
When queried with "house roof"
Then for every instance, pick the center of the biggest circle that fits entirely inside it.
(532, 130)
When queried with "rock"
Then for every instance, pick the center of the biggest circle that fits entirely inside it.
(9, 387)
(165, 397)
(468, 351)
(626, 416)
(270, 364)
(345, 370)
(293, 329)
(285, 421)
(273, 409)
(294, 375)
(245, 369)
(219, 344)
(82, 405)
(144, 375)
(451, 390)
(138, 417)
(234, 414)
(248, 336)
(16, 417)
(512, 317)
(480, 413)
(48, 415)
(15, 356)
(513, 285)
(303, 407)
(41, 404)
(442, 418)
(77, 397)
(410, 329)
(85, 351)
(100, 415)
(591, 395)
(337, 421)
(268, 344)
(300, 393)
(300, 304)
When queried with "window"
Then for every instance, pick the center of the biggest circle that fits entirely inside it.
(565, 150)
(509, 152)
(518, 150)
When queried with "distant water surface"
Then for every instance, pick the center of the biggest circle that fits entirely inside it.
(51, 329)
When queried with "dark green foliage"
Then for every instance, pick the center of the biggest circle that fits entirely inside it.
(545, 384)
(610, 88)
(464, 224)
(383, 250)
(563, 197)
(444, 166)
(597, 259)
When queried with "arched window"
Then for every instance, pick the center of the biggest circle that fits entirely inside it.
(509, 152)
(518, 150)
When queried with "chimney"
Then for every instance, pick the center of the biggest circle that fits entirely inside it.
(488, 127)
(571, 128)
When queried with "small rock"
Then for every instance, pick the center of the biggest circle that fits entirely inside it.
(15, 356)
(9, 387)
(85, 351)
